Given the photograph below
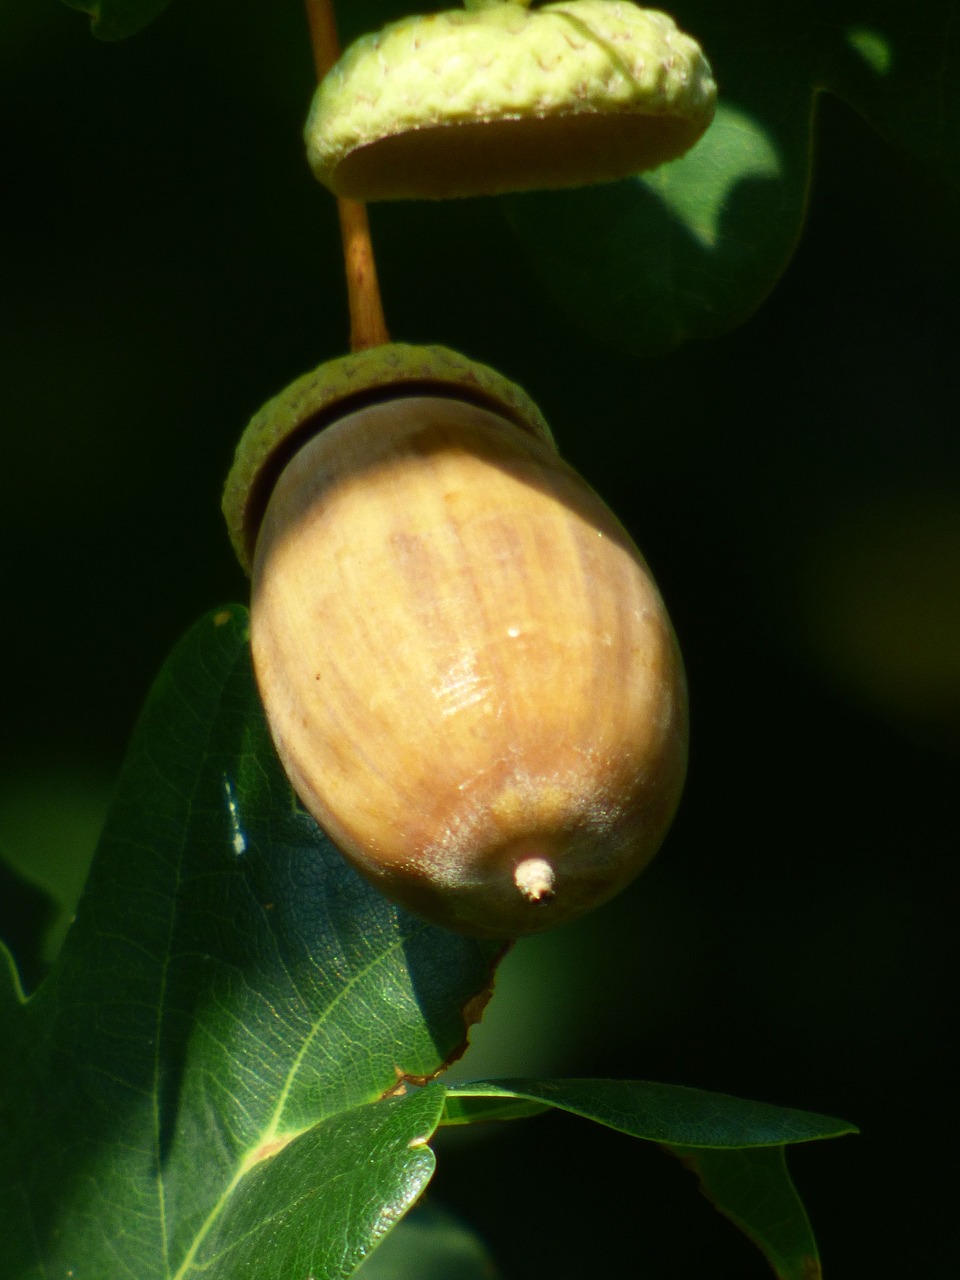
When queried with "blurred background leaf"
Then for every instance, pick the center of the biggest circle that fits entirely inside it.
(51, 818)
(115, 19)
(692, 249)
(429, 1244)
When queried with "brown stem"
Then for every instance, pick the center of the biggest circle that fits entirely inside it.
(323, 35)
(368, 327)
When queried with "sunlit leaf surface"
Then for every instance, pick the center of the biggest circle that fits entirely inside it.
(204, 1062)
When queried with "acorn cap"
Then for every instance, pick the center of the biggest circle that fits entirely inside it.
(337, 387)
(502, 98)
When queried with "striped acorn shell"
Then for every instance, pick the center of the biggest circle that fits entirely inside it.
(468, 672)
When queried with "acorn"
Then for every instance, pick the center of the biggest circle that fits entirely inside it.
(498, 97)
(468, 671)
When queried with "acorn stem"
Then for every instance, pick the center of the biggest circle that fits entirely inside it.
(323, 35)
(368, 327)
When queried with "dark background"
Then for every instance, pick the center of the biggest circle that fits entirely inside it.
(167, 263)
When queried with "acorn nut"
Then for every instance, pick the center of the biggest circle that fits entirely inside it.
(467, 669)
(498, 97)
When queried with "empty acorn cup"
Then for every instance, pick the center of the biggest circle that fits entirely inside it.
(499, 97)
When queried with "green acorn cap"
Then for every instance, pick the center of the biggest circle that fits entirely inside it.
(502, 98)
(339, 387)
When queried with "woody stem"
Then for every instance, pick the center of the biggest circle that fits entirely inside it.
(367, 324)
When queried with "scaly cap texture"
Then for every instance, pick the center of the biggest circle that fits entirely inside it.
(502, 98)
(339, 386)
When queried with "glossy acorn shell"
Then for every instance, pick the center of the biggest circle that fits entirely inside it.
(468, 671)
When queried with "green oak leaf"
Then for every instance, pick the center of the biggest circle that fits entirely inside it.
(205, 1061)
(665, 1113)
(736, 1147)
(328, 1198)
